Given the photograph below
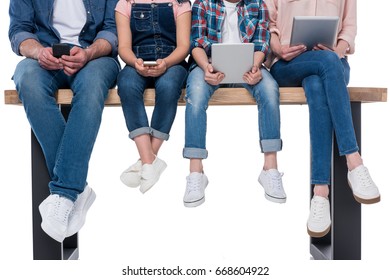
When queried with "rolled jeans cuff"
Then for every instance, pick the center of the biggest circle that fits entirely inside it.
(148, 130)
(139, 131)
(158, 134)
(271, 145)
(195, 153)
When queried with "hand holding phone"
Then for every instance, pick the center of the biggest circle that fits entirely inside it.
(60, 50)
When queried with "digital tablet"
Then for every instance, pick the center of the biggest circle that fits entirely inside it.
(313, 30)
(234, 60)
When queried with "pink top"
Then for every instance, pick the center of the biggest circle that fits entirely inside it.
(124, 7)
(283, 11)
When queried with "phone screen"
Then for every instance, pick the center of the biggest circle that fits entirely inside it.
(60, 50)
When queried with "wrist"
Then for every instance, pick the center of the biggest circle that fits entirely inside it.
(165, 62)
(88, 53)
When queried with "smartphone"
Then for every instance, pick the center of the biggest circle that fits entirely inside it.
(150, 63)
(60, 50)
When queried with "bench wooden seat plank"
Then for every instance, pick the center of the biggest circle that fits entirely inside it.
(224, 96)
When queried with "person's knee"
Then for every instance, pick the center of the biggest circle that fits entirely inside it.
(314, 91)
(267, 95)
(28, 74)
(196, 98)
(330, 59)
(129, 86)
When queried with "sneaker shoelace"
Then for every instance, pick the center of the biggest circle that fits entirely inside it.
(364, 178)
(194, 183)
(318, 212)
(60, 213)
(276, 181)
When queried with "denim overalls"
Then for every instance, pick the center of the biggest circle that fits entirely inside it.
(153, 31)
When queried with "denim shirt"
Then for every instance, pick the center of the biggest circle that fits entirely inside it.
(33, 19)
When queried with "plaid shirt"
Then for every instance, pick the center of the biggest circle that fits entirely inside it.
(208, 16)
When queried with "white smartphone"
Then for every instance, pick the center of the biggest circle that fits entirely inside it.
(150, 63)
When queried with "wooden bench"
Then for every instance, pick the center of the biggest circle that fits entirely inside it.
(224, 96)
(339, 243)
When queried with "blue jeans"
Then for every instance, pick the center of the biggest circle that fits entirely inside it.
(198, 94)
(324, 78)
(168, 87)
(66, 145)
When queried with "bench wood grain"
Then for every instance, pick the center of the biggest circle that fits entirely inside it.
(224, 96)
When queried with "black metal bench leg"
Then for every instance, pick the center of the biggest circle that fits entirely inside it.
(44, 247)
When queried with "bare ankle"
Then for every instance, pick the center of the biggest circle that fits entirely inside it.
(353, 160)
(321, 190)
(196, 165)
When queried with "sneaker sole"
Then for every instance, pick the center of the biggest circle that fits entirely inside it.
(272, 198)
(145, 188)
(316, 234)
(365, 200)
(194, 203)
(275, 199)
(90, 200)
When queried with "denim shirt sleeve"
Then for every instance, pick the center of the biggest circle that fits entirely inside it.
(108, 31)
(22, 25)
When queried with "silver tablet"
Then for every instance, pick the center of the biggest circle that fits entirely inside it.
(313, 30)
(234, 60)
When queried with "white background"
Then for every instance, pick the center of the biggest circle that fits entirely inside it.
(236, 226)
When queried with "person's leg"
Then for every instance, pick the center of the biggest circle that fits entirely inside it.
(334, 73)
(131, 87)
(309, 72)
(266, 94)
(353, 159)
(168, 89)
(90, 87)
(330, 69)
(80, 134)
(321, 130)
(36, 88)
(198, 93)
(167, 92)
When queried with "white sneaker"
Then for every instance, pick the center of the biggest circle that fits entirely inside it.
(79, 212)
(318, 224)
(363, 188)
(131, 177)
(55, 212)
(150, 173)
(195, 188)
(271, 180)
